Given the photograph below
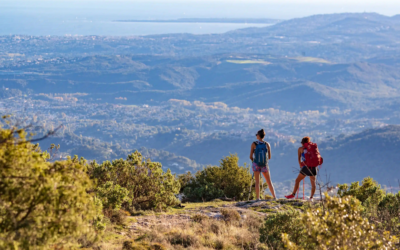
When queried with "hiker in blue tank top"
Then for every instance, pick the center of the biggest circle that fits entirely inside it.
(260, 153)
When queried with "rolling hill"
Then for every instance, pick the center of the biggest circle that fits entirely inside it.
(237, 80)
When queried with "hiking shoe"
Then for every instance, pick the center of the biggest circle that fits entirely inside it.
(291, 196)
(310, 199)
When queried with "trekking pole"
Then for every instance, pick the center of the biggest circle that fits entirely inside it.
(303, 189)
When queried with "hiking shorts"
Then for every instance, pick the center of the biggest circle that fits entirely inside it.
(257, 168)
(308, 171)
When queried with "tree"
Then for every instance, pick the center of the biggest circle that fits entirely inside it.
(228, 179)
(41, 203)
(149, 187)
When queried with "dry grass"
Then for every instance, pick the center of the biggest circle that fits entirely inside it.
(202, 232)
(193, 227)
(230, 214)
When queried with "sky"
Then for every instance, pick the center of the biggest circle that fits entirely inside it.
(279, 9)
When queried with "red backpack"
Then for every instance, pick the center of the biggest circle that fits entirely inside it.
(313, 157)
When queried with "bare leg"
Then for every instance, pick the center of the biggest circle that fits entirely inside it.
(313, 180)
(257, 177)
(297, 184)
(267, 177)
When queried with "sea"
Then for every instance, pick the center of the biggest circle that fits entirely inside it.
(96, 17)
(99, 19)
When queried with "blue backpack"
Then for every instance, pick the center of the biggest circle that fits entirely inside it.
(261, 154)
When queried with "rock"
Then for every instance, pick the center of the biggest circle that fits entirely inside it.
(243, 203)
(259, 204)
(214, 215)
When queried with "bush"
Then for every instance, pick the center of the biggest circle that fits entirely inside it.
(185, 179)
(183, 239)
(132, 245)
(230, 215)
(117, 217)
(41, 203)
(391, 203)
(370, 194)
(380, 208)
(229, 179)
(204, 191)
(112, 196)
(149, 187)
(199, 217)
(339, 225)
(282, 223)
(389, 214)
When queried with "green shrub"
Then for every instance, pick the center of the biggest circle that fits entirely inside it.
(112, 196)
(229, 179)
(205, 191)
(148, 185)
(389, 214)
(282, 223)
(185, 179)
(42, 203)
(370, 194)
(339, 225)
(391, 203)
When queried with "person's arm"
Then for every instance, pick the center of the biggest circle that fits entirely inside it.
(253, 147)
(299, 152)
(269, 151)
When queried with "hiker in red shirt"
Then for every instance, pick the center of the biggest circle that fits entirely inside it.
(309, 160)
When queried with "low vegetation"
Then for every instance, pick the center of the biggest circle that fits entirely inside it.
(131, 204)
(339, 224)
(141, 184)
(42, 203)
(229, 232)
(228, 180)
(275, 225)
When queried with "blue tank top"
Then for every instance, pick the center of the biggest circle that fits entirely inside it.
(303, 157)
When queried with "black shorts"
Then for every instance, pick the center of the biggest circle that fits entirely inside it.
(309, 171)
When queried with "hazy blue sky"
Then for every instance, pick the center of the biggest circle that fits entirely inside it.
(282, 9)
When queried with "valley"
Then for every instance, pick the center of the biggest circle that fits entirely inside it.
(189, 100)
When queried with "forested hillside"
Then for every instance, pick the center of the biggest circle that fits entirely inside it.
(374, 153)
